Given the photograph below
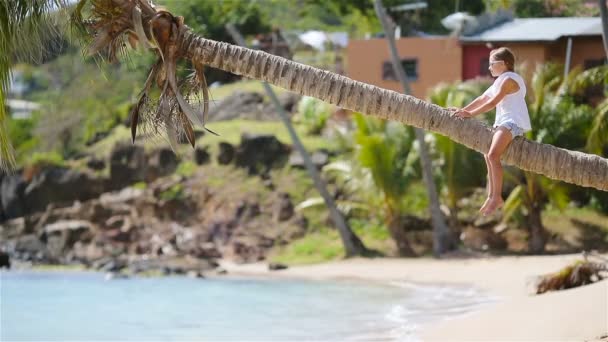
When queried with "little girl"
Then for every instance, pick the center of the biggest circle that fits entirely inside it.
(507, 94)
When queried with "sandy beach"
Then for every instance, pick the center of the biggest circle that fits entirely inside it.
(579, 314)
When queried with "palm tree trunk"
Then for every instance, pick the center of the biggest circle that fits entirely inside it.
(398, 233)
(353, 246)
(538, 234)
(441, 234)
(556, 163)
(604, 16)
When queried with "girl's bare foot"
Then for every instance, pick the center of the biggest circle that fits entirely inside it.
(492, 205)
(485, 204)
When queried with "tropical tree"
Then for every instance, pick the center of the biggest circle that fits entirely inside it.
(113, 22)
(462, 169)
(442, 239)
(384, 149)
(27, 30)
(558, 117)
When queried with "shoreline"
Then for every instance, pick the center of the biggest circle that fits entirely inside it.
(578, 314)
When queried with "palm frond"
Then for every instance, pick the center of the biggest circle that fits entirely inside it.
(27, 32)
(598, 136)
(579, 273)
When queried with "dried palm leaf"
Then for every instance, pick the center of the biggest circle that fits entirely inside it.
(579, 273)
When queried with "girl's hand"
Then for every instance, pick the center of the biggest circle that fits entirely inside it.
(461, 113)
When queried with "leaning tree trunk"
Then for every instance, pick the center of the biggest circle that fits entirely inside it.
(442, 241)
(556, 163)
(353, 246)
(538, 235)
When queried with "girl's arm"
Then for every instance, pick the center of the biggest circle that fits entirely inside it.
(509, 86)
(476, 103)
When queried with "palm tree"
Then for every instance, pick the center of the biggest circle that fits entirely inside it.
(384, 150)
(556, 118)
(173, 41)
(26, 27)
(353, 246)
(442, 240)
(462, 169)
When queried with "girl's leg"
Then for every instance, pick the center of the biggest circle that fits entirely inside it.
(489, 186)
(501, 139)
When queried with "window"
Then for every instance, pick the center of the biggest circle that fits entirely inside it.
(409, 65)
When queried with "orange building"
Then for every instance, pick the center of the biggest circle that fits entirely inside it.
(432, 60)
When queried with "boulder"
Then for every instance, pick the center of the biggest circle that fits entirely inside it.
(201, 156)
(225, 154)
(5, 260)
(127, 165)
(12, 192)
(60, 186)
(258, 153)
(161, 162)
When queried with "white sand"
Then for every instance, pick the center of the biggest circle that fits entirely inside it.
(579, 314)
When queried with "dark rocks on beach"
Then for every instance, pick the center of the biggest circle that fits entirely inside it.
(5, 261)
(50, 184)
(275, 266)
(12, 192)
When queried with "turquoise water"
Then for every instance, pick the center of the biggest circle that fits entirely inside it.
(84, 306)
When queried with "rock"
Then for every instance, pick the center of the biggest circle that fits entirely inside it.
(127, 165)
(258, 153)
(12, 192)
(96, 164)
(29, 247)
(482, 239)
(115, 275)
(283, 208)
(13, 228)
(49, 186)
(225, 154)
(201, 156)
(220, 271)
(275, 266)
(61, 236)
(251, 105)
(5, 261)
(195, 274)
(246, 210)
(161, 162)
(318, 158)
(113, 265)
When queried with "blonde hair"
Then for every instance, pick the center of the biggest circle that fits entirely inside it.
(506, 55)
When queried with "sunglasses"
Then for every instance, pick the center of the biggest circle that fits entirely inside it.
(495, 62)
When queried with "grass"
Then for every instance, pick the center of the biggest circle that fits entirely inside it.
(219, 93)
(324, 244)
